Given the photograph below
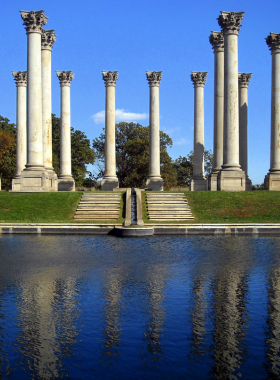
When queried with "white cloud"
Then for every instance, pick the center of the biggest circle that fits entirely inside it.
(121, 115)
(182, 141)
(171, 130)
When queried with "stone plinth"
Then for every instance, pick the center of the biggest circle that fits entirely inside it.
(154, 180)
(110, 180)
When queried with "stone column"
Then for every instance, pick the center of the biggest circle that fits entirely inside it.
(65, 180)
(110, 180)
(48, 39)
(21, 82)
(154, 180)
(217, 41)
(198, 182)
(231, 177)
(243, 80)
(34, 177)
(272, 179)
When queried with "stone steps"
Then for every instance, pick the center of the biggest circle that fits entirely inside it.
(168, 206)
(99, 206)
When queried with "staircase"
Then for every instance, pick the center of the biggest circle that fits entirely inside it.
(168, 206)
(99, 206)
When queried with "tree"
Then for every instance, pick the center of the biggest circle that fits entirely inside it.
(7, 152)
(132, 155)
(184, 167)
(81, 152)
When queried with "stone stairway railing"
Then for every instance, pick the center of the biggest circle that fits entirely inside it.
(99, 206)
(168, 206)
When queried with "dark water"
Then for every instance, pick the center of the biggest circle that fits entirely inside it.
(150, 308)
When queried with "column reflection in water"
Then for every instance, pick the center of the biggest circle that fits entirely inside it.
(47, 316)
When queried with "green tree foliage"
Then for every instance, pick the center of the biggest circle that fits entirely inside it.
(7, 152)
(184, 167)
(81, 152)
(132, 155)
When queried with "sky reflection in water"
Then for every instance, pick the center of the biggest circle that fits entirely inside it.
(82, 307)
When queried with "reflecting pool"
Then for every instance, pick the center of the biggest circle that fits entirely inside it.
(87, 307)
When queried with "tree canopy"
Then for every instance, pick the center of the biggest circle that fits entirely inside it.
(7, 152)
(132, 155)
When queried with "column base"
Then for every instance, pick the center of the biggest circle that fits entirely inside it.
(232, 180)
(66, 183)
(199, 184)
(109, 184)
(272, 181)
(248, 184)
(53, 182)
(213, 181)
(154, 184)
(31, 181)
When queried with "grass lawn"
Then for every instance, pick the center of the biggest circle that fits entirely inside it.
(230, 207)
(58, 207)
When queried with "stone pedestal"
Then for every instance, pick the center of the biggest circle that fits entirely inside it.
(34, 177)
(154, 180)
(231, 177)
(217, 41)
(21, 82)
(272, 179)
(65, 180)
(110, 180)
(244, 79)
(198, 182)
(48, 39)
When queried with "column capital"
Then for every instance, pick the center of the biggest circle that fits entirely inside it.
(20, 78)
(216, 39)
(154, 78)
(198, 78)
(273, 42)
(110, 78)
(244, 79)
(33, 20)
(230, 22)
(48, 39)
(65, 77)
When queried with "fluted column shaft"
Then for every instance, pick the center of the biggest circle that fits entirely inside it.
(21, 82)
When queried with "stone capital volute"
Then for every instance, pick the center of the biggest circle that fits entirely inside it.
(110, 78)
(48, 39)
(65, 77)
(33, 21)
(230, 22)
(20, 78)
(154, 78)
(198, 78)
(216, 39)
(273, 42)
(244, 79)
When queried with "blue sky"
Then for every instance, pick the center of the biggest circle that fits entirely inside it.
(134, 36)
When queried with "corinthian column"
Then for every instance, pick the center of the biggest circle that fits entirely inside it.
(48, 39)
(244, 79)
(65, 180)
(272, 179)
(198, 182)
(34, 177)
(110, 180)
(154, 180)
(217, 41)
(231, 177)
(21, 81)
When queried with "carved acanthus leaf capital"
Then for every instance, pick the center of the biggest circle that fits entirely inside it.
(273, 41)
(216, 39)
(110, 78)
(48, 39)
(198, 78)
(33, 20)
(65, 77)
(154, 78)
(20, 78)
(230, 22)
(244, 79)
